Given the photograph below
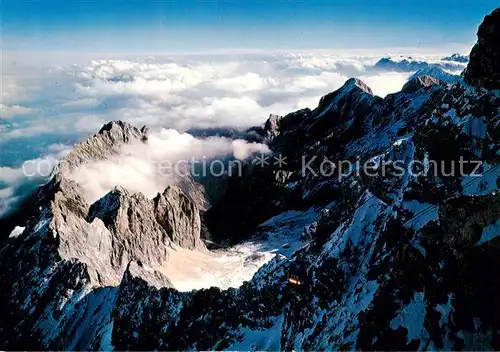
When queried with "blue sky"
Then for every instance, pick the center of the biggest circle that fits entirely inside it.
(163, 26)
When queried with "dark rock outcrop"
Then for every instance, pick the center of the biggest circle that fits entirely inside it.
(463, 219)
(483, 69)
(271, 127)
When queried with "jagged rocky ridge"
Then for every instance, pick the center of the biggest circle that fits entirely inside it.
(394, 262)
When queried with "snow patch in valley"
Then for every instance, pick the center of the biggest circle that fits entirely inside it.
(192, 270)
(281, 235)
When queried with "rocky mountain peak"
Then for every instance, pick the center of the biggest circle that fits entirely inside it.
(106, 142)
(357, 83)
(137, 235)
(483, 69)
(271, 126)
(419, 82)
(353, 90)
(457, 58)
(490, 27)
(121, 130)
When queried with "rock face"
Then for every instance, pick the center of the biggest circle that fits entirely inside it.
(271, 127)
(394, 258)
(483, 69)
(464, 218)
(179, 216)
(137, 236)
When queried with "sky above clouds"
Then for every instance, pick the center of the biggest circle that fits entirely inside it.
(203, 25)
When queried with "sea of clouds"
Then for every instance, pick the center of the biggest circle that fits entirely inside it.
(48, 106)
(167, 155)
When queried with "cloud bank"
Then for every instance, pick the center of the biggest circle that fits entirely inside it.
(50, 104)
(17, 183)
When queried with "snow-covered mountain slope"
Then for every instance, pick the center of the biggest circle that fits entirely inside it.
(390, 258)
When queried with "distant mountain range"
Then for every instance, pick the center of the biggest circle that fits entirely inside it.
(446, 69)
(453, 63)
(457, 58)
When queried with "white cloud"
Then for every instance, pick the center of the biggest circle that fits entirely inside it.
(385, 83)
(7, 111)
(245, 83)
(316, 83)
(10, 175)
(89, 123)
(59, 149)
(151, 166)
(28, 131)
(16, 183)
(86, 102)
